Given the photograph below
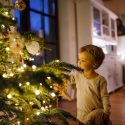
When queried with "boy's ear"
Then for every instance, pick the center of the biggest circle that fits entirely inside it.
(95, 65)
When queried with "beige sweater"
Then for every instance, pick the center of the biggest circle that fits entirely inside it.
(91, 94)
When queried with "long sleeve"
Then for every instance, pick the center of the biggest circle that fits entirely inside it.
(105, 97)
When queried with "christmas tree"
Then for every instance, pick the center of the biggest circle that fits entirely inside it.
(28, 94)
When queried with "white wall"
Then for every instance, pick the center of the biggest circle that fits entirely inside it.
(74, 27)
(67, 35)
(84, 23)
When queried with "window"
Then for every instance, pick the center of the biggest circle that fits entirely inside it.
(40, 17)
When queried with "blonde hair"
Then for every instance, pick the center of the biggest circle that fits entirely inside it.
(96, 53)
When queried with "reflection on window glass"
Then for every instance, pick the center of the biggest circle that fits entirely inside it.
(53, 7)
(49, 29)
(35, 21)
(36, 4)
(49, 7)
(46, 7)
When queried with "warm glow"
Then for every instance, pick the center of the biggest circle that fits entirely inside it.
(37, 92)
(28, 83)
(7, 49)
(53, 94)
(9, 96)
(4, 75)
(38, 113)
(33, 67)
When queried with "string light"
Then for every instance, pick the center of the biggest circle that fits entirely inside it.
(31, 59)
(37, 92)
(46, 107)
(44, 101)
(33, 67)
(13, 18)
(31, 103)
(7, 13)
(38, 113)
(57, 61)
(7, 49)
(9, 96)
(20, 84)
(18, 122)
(53, 94)
(3, 26)
(42, 108)
(28, 83)
(24, 65)
(4, 75)
(11, 74)
(27, 119)
(49, 77)
(40, 84)
(37, 54)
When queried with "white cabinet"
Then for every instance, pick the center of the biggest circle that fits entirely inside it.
(111, 69)
(103, 25)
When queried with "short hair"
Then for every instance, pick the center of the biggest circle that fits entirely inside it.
(96, 52)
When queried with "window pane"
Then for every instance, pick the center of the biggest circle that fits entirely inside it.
(35, 21)
(36, 4)
(17, 16)
(51, 55)
(49, 7)
(49, 29)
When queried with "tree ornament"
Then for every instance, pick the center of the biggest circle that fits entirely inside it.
(33, 47)
(20, 5)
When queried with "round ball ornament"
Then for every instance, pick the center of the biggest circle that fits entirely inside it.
(20, 5)
(33, 47)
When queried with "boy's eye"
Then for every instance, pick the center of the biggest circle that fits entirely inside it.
(81, 60)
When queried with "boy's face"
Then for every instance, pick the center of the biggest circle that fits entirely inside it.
(85, 61)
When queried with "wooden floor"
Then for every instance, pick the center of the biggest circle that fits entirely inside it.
(117, 100)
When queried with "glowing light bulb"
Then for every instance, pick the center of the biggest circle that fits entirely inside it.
(57, 60)
(20, 84)
(11, 74)
(18, 122)
(31, 103)
(42, 108)
(28, 83)
(38, 113)
(33, 67)
(49, 77)
(14, 40)
(37, 54)
(50, 106)
(27, 119)
(6, 13)
(37, 92)
(24, 65)
(7, 49)
(4, 75)
(9, 96)
(3, 26)
(46, 107)
(53, 94)
(13, 18)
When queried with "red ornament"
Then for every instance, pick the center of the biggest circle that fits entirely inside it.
(20, 5)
